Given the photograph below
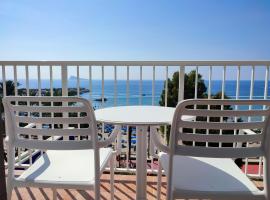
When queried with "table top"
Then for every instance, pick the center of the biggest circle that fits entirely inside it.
(137, 115)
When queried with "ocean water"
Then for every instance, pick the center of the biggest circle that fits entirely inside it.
(134, 90)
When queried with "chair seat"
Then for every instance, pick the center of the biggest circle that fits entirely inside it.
(207, 175)
(65, 168)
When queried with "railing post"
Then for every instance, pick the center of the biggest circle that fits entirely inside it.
(64, 76)
(3, 193)
(64, 80)
(181, 83)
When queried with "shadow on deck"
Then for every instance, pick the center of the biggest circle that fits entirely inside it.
(125, 188)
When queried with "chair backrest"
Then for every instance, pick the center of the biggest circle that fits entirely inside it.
(217, 131)
(218, 126)
(48, 122)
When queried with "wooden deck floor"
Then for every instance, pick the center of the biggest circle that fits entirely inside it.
(125, 188)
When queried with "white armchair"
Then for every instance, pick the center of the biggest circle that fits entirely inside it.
(208, 171)
(68, 164)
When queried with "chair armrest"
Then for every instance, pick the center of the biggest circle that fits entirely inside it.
(155, 137)
(6, 140)
(31, 125)
(7, 143)
(248, 132)
(112, 137)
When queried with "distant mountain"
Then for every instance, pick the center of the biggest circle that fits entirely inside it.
(75, 78)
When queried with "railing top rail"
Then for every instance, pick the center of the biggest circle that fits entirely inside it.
(139, 63)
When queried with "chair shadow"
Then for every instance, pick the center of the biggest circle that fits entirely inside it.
(30, 193)
(104, 188)
(44, 194)
(41, 169)
(123, 192)
(163, 185)
(59, 196)
(127, 186)
(70, 194)
(87, 196)
(17, 192)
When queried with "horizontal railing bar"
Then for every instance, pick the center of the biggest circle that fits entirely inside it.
(138, 63)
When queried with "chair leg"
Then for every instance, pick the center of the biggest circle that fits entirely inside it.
(11, 163)
(112, 163)
(159, 180)
(54, 194)
(9, 191)
(169, 193)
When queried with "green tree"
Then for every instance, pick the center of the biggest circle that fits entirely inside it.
(189, 93)
(189, 83)
(10, 88)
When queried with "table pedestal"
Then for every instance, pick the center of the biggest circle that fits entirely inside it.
(141, 162)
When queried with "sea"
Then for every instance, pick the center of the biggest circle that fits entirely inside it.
(146, 99)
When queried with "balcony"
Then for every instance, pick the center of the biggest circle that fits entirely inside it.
(118, 83)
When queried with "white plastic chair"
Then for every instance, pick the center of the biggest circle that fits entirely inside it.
(64, 163)
(208, 172)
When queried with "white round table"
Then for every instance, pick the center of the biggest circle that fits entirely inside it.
(142, 117)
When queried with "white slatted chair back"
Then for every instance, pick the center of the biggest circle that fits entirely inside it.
(32, 120)
(217, 131)
(47, 123)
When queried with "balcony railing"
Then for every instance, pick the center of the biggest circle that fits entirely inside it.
(34, 81)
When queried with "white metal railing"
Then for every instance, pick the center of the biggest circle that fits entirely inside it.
(10, 69)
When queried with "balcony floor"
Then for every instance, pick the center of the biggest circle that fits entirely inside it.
(125, 188)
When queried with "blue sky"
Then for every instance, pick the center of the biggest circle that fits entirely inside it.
(135, 30)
